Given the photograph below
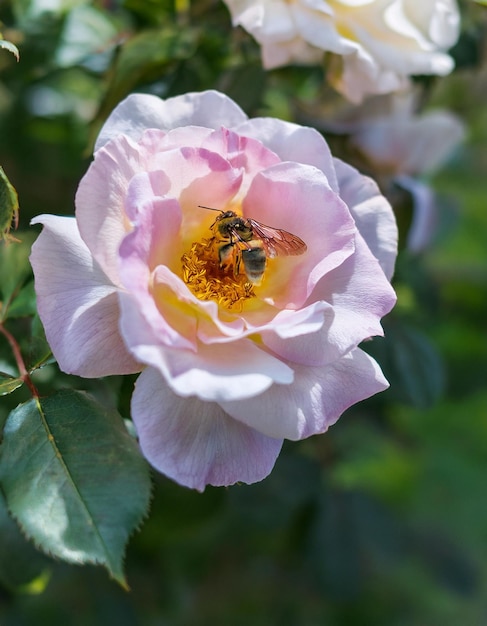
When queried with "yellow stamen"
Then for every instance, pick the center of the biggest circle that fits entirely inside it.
(208, 281)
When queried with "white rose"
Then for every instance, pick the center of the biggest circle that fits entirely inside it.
(376, 44)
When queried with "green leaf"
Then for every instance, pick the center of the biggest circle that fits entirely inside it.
(6, 45)
(87, 31)
(37, 351)
(15, 268)
(9, 203)
(9, 383)
(24, 303)
(74, 479)
(410, 362)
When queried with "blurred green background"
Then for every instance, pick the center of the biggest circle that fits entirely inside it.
(383, 520)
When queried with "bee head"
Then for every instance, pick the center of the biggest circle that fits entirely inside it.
(223, 214)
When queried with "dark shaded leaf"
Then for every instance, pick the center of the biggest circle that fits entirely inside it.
(274, 501)
(20, 562)
(449, 563)
(410, 363)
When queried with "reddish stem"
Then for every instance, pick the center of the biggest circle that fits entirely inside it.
(24, 374)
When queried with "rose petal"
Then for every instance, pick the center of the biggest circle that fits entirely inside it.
(280, 197)
(292, 142)
(195, 443)
(372, 213)
(213, 372)
(243, 153)
(309, 348)
(315, 400)
(158, 223)
(141, 111)
(100, 200)
(77, 303)
(360, 295)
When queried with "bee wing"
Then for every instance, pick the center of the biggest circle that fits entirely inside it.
(278, 242)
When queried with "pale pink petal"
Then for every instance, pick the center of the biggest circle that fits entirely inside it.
(220, 371)
(297, 198)
(194, 442)
(141, 111)
(243, 153)
(156, 140)
(360, 295)
(77, 303)
(200, 320)
(198, 177)
(311, 348)
(157, 224)
(292, 142)
(372, 213)
(315, 400)
(289, 323)
(100, 201)
(195, 318)
(155, 235)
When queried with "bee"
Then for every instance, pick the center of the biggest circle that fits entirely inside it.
(248, 242)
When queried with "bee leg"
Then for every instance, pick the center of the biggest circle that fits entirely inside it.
(225, 254)
(236, 265)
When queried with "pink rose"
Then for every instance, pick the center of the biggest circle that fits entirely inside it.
(229, 368)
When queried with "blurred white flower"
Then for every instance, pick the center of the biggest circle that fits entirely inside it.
(402, 142)
(376, 44)
(407, 146)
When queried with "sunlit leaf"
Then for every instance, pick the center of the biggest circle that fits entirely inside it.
(74, 479)
(7, 45)
(87, 31)
(9, 205)
(9, 383)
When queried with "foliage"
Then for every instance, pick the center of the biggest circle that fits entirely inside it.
(381, 521)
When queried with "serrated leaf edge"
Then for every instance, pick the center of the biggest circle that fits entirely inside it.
(116, 575)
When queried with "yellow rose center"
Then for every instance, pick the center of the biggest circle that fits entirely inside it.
(202, 272)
